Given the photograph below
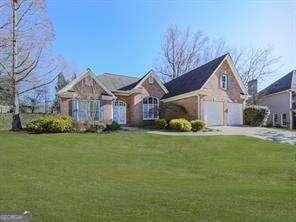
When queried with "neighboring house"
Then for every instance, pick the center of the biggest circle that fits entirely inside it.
(213, 92)
(280, 98)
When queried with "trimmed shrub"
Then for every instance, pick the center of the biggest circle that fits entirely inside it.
(50, 124)
(95, 128)
(255, 116)
(181, 125)
(197, 125)
(161, 123)
(113, 126)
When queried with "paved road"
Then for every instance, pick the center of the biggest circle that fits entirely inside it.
(279, 135)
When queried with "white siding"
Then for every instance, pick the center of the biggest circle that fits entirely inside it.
(277, 103)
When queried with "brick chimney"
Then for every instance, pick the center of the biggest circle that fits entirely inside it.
(253, 87)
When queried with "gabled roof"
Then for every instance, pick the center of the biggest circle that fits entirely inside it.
(285, 83)
(194, 79)
(116, 82)
(155, 77)
(88, 71)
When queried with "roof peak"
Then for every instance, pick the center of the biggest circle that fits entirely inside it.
(113, 74)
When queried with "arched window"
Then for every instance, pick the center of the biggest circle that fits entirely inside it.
(150, 108)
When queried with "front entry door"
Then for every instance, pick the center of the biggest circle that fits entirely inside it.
(119, 112)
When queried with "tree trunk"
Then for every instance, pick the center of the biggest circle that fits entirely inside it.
(16, 121)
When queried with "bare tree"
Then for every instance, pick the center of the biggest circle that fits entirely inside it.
(254, 63)
(34, 98)
(181, 52)
(257, 63)
(213, 49)
(26, 37)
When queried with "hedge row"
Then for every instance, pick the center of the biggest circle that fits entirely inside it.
(50, 124)
(181, 125)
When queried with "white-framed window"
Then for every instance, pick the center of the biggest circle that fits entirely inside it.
(275, 119)
(150, 80)
(150, 108)
(223, 81)
(284, 119)
(87, 110)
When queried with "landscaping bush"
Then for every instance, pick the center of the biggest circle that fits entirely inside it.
(161, 123)
(197, 125)
(182, 125)
(255, 115)
(50, 124)
(95, 127)
(113, 126)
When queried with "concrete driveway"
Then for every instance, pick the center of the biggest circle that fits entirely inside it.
(278, 135)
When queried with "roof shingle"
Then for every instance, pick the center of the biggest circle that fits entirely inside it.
(280, 85)
(192, 80)
(116, 82)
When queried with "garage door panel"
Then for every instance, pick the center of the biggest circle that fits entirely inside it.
(213, 113)
(235, 114)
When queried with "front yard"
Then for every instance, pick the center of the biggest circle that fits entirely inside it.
(145, 177)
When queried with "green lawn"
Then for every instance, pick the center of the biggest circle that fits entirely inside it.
(143, 177)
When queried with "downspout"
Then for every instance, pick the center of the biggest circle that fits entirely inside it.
(198, 107)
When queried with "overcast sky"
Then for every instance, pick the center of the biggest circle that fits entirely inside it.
(125, 36)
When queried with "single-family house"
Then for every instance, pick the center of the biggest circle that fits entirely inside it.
(212, 92)
(280, 98)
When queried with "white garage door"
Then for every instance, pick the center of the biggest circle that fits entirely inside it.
(213, 113)
(235, 114)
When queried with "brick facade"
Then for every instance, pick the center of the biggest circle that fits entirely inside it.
(88, 89)
(134, 102)
(211, 92)
(190, 107)
(216, 93)
(190, 104)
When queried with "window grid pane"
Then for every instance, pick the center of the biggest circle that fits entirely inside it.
(150, 108)
(90, 110)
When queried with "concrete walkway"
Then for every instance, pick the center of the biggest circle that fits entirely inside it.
(278, 135)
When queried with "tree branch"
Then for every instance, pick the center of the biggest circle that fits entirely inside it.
(24, 13)
(36, 87)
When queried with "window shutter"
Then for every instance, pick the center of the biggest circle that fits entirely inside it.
(70, 111)
(220, 81)
(74, 108)
(101, 108)
(229, 82)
